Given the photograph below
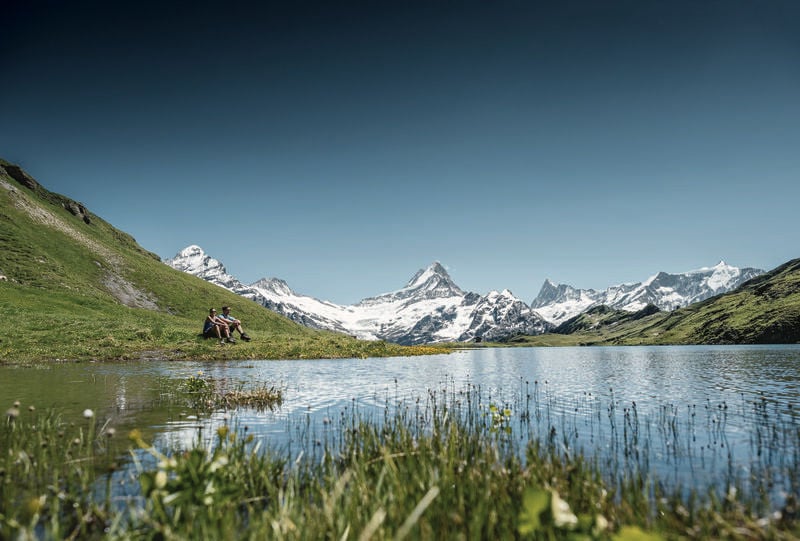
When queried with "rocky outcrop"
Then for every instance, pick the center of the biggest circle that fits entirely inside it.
(24, 179)
(16, 172)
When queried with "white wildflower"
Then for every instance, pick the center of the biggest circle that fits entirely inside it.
(563, 517)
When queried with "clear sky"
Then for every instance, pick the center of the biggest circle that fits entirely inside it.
(342, 146)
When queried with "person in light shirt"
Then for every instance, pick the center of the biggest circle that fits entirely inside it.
(233, 323)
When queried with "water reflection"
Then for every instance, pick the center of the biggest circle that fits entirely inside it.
(695, 406)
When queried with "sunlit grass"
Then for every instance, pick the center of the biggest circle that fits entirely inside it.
(58, 293)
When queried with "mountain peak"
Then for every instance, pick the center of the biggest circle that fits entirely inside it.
(274, 285)
(194, 260)
(435, 271)
(552, 292)
(192, 250)
(722, 265)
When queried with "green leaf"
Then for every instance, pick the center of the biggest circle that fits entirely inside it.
(534, 503)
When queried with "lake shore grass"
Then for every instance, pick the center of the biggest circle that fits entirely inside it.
(76, 290)
(76, 327)
(449, 466)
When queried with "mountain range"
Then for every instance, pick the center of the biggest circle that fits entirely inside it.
(431, 308)
(558, 303)
(87, 290)
(764, 310)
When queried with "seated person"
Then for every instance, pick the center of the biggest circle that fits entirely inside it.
(214, 326)
(233, 323)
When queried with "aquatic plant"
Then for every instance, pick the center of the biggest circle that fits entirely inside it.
(201, 392)
(437, 466)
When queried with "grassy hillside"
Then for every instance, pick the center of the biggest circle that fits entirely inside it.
(74, 287)
(764, 310)
(602, 316)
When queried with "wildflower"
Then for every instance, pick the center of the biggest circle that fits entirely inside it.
(35, 505)
(600, 525)
(135, 436)
(12, 413)
(161, 479)
(110, 432)
(168, 463)
(88, 414)
(218, 463)
(563, 517)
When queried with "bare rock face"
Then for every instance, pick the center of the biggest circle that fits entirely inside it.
(76, 209)
(22, 177)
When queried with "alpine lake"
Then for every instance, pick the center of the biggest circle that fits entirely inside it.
(696, 418)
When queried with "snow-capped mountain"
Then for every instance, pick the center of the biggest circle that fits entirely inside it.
(194, 260)
(558, 303)
(430, 308)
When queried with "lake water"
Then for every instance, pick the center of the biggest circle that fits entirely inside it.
(692, 414)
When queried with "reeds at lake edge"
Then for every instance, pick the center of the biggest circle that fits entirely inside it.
(453, 464)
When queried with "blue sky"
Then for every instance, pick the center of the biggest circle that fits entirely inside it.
(342, 146)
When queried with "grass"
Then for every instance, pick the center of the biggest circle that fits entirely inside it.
(450, 465)
(81, 291)
(75, 327)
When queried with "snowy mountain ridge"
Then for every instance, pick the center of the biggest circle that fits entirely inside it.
(558, 303)
(432, 308)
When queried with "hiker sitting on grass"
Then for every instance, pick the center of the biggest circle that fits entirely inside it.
(215, 326)
(233, 323)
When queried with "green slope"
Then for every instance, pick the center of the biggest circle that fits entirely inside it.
(764, 310)
(602, 316)
(74, 287)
